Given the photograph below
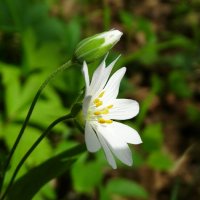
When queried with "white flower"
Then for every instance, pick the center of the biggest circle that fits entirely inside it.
(100, 108)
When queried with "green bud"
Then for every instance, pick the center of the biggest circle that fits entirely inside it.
(93, 48)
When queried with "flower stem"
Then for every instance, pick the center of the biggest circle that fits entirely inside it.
(51, 76)
(66, 117)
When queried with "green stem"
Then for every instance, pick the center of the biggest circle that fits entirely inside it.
(66, 117)
(51, 76)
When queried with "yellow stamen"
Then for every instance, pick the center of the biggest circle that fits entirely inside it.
(101, 95)
(109, 121)
(110, 106)
(96, 101)
(105, 111)
(101, 120)
(97, 113)
(99, 103)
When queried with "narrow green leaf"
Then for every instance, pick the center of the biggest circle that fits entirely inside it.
(39, 155)
(28, 185)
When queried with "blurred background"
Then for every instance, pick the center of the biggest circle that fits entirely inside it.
(161, 50)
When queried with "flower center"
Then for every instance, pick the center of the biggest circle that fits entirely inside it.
(97, 114)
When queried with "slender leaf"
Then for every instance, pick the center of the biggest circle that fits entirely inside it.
(28, 185)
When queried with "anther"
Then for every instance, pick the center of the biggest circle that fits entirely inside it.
(97, 112)
(110, 106)
(99, 103)
(101, 95)
(101, 120)
(109, 121)
(96, 101)
(105, 111)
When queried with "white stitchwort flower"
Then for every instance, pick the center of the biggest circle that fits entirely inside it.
(101, 107)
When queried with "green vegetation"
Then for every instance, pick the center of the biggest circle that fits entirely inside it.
(160, 47)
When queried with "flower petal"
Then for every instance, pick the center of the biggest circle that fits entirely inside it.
(86, 104)
(105, 77)
(118, 146)
(107, 151)
(91, 140)
(97, 77)
(112, 87)
(86, 76)
(100, 77)
(123, 109)
(126, 133)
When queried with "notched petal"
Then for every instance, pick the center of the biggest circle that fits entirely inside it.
(124, 109)
(126, 133)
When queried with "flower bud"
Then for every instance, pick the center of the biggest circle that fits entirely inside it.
(92, 48)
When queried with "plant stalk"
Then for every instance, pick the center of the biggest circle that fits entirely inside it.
(51, 76)
(66, 117)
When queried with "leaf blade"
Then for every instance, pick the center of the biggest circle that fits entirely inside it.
(29, 184)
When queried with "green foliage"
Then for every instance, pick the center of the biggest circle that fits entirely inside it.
(178, 85)
(193, 113)
(160, 161)
(160, 48)
(43, 151)
(125, 188)
(86, 175)
(43, 173)
(153, 142)
(152, 137)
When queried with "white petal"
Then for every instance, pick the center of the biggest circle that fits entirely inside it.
(91, 140)
(107, 151)
(112, 87)
(118, 146)
(105, 77)
(97, 77)
(128, 134)
(100, 77)
(86, 104)
(86, 76)
(123, 109)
